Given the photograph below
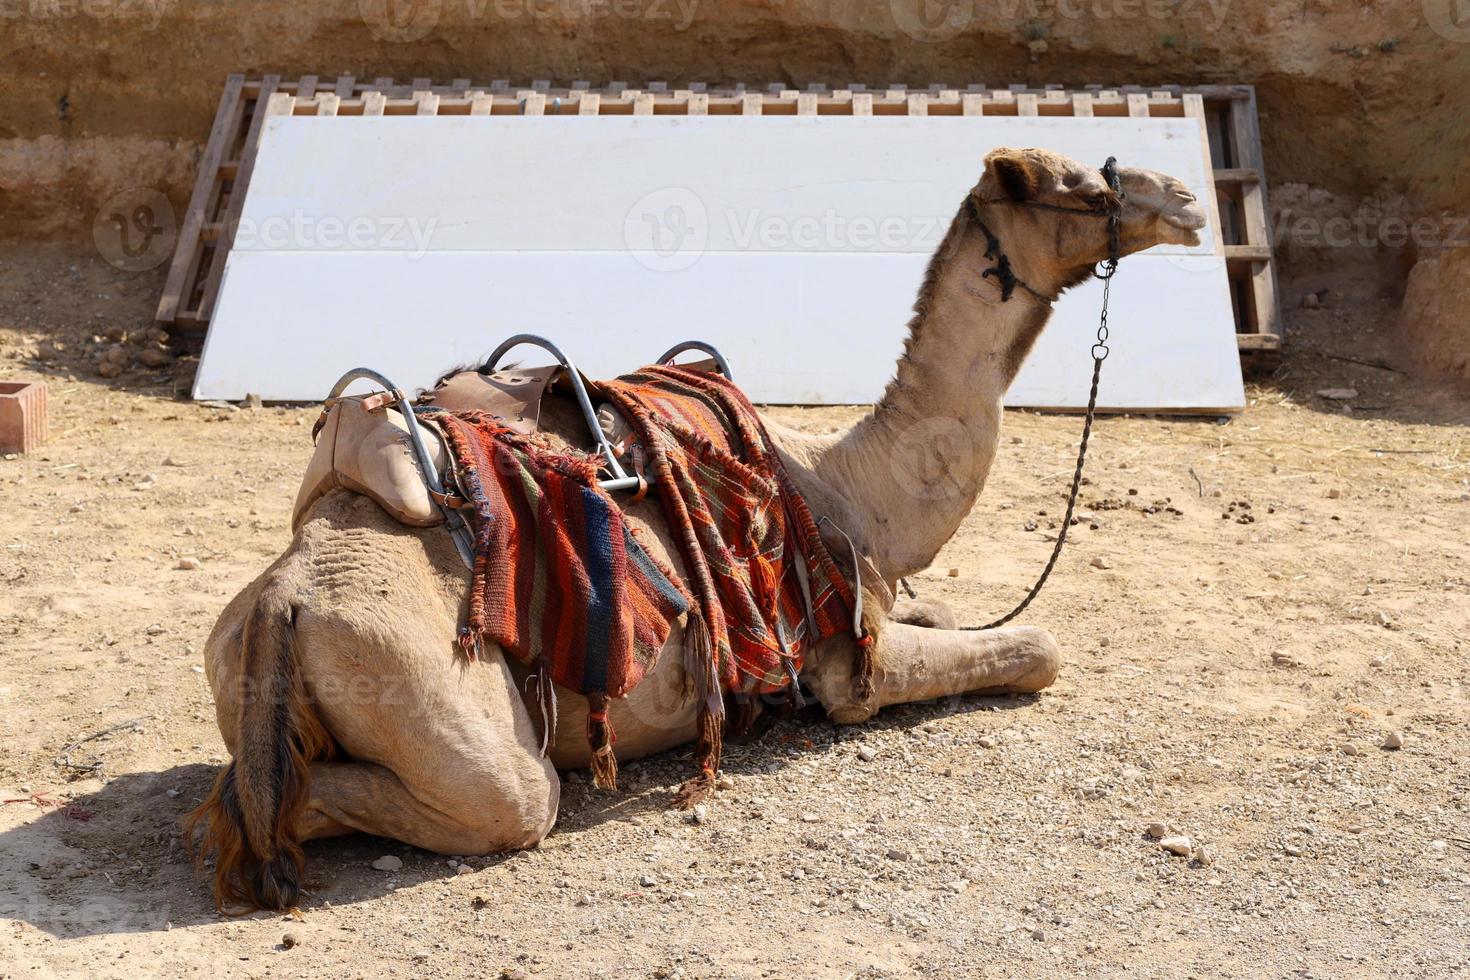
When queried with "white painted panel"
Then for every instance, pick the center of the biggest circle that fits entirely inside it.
(701, 183)
(825, 329)
(409, 244)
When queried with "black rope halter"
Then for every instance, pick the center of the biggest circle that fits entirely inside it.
(1105, 270)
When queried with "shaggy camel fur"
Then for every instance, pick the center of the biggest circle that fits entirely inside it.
(347, 706)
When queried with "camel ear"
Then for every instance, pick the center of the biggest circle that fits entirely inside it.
(1013, 176)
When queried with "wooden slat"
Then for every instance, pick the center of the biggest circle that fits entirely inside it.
(345, 86)
(1256, 225)
(1194, 108)
(186, 252)
(306, 88)
(241, 184)
(1248, 253)
(1237, 175)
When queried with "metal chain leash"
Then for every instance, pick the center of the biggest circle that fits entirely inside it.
(1099, 354)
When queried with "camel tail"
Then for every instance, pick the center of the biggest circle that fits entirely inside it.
(248, 823)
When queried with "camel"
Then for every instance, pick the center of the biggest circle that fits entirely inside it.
(348, 706)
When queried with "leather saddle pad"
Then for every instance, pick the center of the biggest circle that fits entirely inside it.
(512, 396)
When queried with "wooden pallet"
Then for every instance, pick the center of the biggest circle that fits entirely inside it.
(1227, 113)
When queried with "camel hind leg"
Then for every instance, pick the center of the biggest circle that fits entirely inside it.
(917, 663)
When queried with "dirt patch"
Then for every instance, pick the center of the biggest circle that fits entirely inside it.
(1232, 678)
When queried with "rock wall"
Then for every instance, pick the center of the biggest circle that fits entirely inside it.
(1360, 101)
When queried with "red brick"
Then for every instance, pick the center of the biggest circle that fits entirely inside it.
(22, 416)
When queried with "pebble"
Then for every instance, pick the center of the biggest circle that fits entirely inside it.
(954, 573)
(894, 854)
(1101, 562)
(1348, 748)
(1393, 740)
(1181, 846)
(985, 742)
(867, 753)
(290, 940)
(810, 818)
(725, 782)
(1291, 850)
(699, 814)
(648, 881)
(188, 565)
(1203, 856)
(1339, 394)
(1157, 831)
(1334, 494)
(388, 862)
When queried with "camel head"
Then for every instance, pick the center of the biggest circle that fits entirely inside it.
(1027, 194)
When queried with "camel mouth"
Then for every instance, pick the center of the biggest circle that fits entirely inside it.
(1191, 217)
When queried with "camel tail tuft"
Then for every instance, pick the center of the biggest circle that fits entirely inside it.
(248, 823)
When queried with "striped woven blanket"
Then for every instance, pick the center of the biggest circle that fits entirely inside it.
(561, 581)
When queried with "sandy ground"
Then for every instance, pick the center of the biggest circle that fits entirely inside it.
(1232, 671)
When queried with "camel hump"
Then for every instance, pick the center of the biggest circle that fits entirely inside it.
(249, 819)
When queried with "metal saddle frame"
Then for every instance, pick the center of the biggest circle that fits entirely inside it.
(459, 531)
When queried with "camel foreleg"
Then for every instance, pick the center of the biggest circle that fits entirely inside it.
(917, 663)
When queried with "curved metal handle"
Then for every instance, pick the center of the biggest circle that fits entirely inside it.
(583, 401)
(699, 345)
(457, 529)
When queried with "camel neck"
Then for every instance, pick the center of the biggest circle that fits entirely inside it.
(912, 469)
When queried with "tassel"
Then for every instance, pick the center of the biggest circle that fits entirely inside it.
(707, 753)
(862, 679)
(600, 737)
(700, 662)
(470, 643)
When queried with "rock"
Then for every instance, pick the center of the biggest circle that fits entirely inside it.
(699, 814)
(513, 973)
(1291, 850)
(867, 753)
(1203, 856)
(1157, 831)
(1393, 741)
(985, 742)
(388, 862)
(1180, 845)
(1338, 394)
(108, 369)
(155, 357)
(290, 940)
(648, 881)
(1101, 562)
(954, 573)
(252, 401)
(1334, 494)
(1311, 301)
(188, 565)
(894, 854)
(1038, 934)
(479, 901)
(1348, 748)
(725, 782)
(810, 818)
